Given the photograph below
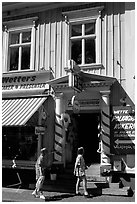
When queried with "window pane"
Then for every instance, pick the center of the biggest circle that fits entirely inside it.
(76, 51)
(25, 60)
(26, 37)
(15, 38)
(76, 30)
(89, 28)
(19, 141)
(90, 56)
(14, 58)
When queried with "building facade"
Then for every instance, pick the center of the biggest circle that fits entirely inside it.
(68, 74)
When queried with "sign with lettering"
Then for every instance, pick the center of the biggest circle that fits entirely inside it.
(77, 82)
(123, 130)
(39, 130)
(25, 81)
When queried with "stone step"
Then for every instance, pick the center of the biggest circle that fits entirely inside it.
(91, 185)
(115, 185)
(93, 169)
(96, 178)
(125, 191)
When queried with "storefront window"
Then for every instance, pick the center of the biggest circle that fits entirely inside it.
(20, 141)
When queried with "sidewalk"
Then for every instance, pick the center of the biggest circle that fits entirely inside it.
(23, 195)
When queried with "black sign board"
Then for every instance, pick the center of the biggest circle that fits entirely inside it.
(77, 82)
(122, 130)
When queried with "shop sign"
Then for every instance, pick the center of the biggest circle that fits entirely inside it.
(122, 130)
(21, 81)
(39, 130)
(77, 82)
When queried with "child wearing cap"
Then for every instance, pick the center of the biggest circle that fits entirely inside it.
(79, 171)
(40, 177)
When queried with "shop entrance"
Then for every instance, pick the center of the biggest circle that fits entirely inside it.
(87, 136)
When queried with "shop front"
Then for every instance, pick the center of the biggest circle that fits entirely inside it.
(85, 107)
(27, 110)
(80, 108)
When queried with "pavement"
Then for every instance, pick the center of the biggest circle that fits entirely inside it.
(25, 195)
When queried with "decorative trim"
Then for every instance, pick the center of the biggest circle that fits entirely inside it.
(83, 14)
(21, 22)
(88, 67)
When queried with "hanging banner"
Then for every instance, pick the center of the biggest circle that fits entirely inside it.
(123, 130)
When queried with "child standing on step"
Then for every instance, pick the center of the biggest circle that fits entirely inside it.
(79, 171)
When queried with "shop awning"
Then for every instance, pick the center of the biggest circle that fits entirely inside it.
(16, 112)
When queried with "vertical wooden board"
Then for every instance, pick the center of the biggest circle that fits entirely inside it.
(122, 18)
(116, 40)
(58, 43)
(4, 53)
(109, 40)
(53, 43)
(47, 42)
(67, 45)
(59, 49)
(103, 46)
(63, 47)
(37, 49)
(42, 40)
(52, 48)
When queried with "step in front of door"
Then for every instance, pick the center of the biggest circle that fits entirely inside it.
(125, 191)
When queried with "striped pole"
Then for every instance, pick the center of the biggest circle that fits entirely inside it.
(105, 124)
(59, 138)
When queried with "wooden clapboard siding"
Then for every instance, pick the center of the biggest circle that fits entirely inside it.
(52, 40)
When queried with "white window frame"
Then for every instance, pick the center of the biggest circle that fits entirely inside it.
(83, 37)
(19, 26)
(85, 16)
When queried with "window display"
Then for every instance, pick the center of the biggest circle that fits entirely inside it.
(20, 141)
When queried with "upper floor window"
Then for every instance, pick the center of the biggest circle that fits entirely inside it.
(19, 50)
(83, 40)
(19, 45)
(84, 35)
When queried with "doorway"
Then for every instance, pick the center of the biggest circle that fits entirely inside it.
(87, 129)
